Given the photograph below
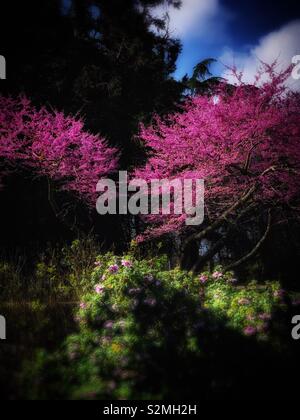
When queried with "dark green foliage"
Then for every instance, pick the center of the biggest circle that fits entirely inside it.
(59, 274)
(106, 63)
(149, 333)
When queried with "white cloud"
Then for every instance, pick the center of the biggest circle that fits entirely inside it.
(281, 45)
(192, 19)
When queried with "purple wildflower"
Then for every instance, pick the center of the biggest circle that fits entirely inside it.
(108, 325)
(265, 317)
(249, 331)
(114, 268)
(203, 279)
(127, 264)
(279, 293)
(99, 289)
(217, 275)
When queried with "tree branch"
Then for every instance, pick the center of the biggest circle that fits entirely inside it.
(51, 198)
(249, 158)
(255, 249)
(219, 221)
(220, 243)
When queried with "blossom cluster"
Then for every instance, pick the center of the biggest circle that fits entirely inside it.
(53, 145)
(247, 138)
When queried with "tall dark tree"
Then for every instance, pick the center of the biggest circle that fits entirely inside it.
(102, 59)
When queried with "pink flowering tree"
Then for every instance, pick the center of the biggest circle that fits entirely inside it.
(245, 143)
(55, 146)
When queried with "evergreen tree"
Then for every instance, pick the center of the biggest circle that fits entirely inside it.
(101, 58)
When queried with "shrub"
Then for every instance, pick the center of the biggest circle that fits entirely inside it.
(248, 308)
(58, 274)
(147, 332)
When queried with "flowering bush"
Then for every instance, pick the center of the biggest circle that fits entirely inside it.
(147, 332)
(247, 308)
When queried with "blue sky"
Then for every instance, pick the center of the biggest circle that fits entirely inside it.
(235, 32)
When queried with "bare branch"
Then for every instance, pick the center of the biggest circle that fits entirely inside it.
(220, 220)
(220, 243)
(255, 249)
(249, 158)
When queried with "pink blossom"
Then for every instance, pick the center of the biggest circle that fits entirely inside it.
(55, 146)
(108, 325)
(249, 331)
(127, 264)
(213, 141)
(83, 305)
(265, 316)
(203, 279)
(279, 293)
(98, 264)
(114, 268)
(217, 275)
(99, 289)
